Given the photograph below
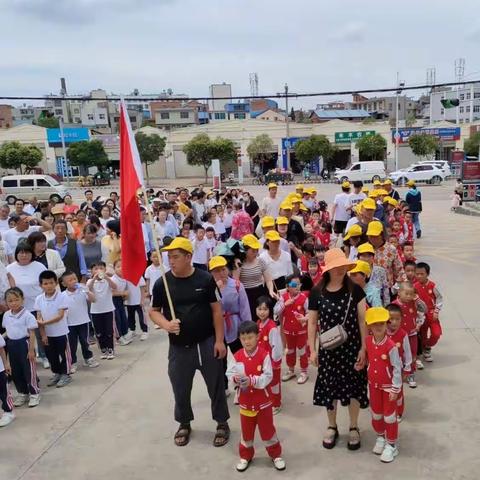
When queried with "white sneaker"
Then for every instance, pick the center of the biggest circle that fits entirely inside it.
(132, 333)
(45, 363)
(104, 355)
(91, 363)
(20, 399)
(276, 410)
(279, 463)
(110, 354)
(427, 356)
(411, 381)
(73, 368)
(6, 419)
(288, 375)
(143, 336)
(389, 453)
(242, 465)
(302, 378)
(419, 364)
(34, 400)
(64, 381)
(125, 340)
(379, 445)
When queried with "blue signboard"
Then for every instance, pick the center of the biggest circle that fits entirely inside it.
(71, 135)
(291, 141)
(447, 134)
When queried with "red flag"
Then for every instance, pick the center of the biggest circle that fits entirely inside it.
(134, 259)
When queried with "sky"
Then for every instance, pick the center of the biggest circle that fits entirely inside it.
(185, 45)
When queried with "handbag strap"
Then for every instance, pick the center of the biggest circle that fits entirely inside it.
(348, 308)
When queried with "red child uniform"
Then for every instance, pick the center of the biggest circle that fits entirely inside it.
(411, 317)
(430, 295)
(295, 331)
(409, 229)
(270, 340)
(304, 259)
(255, 402)
(323, 239)
(384, 377)
(401, 341)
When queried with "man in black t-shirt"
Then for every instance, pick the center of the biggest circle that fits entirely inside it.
(196, 338)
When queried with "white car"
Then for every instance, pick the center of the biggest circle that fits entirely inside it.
(364, 171)
(419, 173)
(443, 165)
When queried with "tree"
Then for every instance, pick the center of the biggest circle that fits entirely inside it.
(14, 155)
(313, 147)
(410, 120)
(48, 122)
(260, 149)
(87, 154)
(372, 146)
(150, 147)
(471, 145)
(201, 150)
(423, 145)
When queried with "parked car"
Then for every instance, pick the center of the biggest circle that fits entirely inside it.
(44, 187)
(418, 173)
(364, 171)
(441, 164)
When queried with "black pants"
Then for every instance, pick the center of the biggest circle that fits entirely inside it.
(253, 294)
(5, 397)
(58, 354)
(234, 347)
(24, 371)
(183, 362)
(131, 309)
(79, 333)
(120, 316)
(104, 329)
(339, 226)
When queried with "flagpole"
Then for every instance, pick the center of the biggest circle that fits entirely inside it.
(156, 246)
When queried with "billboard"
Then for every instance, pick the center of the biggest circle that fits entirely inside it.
(71, 135)
(446, 134)
(291, 141)
(471, 172)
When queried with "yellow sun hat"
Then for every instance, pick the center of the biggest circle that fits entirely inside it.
(376, 315)
(375, 229)
(369, 204)
(377, 183)
(381, 192)
(179, 243)
(411, 183)
(373, 194)
(267, 222)
(286, 205)
(365, 190)
(387, 182)
(216, 262)
(272, 185)
(300, 186)
(353, 231)
(366, 248)
(272, 236)
(362, 267)
(346, 184)
(282, 221)
(251, 241)
(303, 208)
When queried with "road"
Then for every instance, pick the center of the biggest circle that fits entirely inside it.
(117, 421)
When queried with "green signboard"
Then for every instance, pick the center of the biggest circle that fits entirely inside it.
(348, 137)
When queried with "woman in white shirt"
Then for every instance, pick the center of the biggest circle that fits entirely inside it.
(105, 215)
(278, 262)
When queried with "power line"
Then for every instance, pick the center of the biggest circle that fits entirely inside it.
(116, 98)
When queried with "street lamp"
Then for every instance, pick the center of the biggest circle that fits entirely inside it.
(287, 124)
(64, 150)
(397, 93)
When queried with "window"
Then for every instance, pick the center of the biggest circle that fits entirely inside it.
(219, 115)
(390, 107)
(90, 116)
(476, 108)
(26, 182)
(399, 106)
(442, 111)
(462, 109)
(355, 167)
(239, 116)
(101, 116)
(41, 182)
(275, 119)
(9, 183)
(462, 96)
(76, 110)
(476, 95)
(164, 115)
(468, 96)
(467, 108)
(57, 103)
(184, 115)
(77, 120)
(58, 111)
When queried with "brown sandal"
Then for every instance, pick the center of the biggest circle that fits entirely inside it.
(222, 435)
(182, 435)
(329, 440)
(354, 439)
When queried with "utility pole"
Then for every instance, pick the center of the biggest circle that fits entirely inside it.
(287, 124)
(64, 150)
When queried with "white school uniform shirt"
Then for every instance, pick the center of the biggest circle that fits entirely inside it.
(2, 345)
(26, 278)
(49, 307)
(200, 251)
(18, 324)
(120, 282)
(4, 226)
(134, 292)
(77, 306)
(103, 297)
(12, 236)
(153, 273)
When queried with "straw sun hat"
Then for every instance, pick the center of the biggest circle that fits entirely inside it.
(336, 258)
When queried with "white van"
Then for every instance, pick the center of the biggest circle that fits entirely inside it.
(364, 171)
(44, 187)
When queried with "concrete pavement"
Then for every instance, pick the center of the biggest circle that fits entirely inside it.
(117, 421)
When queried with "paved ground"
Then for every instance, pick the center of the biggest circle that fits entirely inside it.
(116, 421)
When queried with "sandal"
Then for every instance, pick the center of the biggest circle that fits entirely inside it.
(329, 440)
(222, 435)
(182, 436)
(354, 439)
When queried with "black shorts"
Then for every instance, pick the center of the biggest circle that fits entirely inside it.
(339, 226)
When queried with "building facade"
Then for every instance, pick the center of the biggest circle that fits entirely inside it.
(468, 110)
(6, 116)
